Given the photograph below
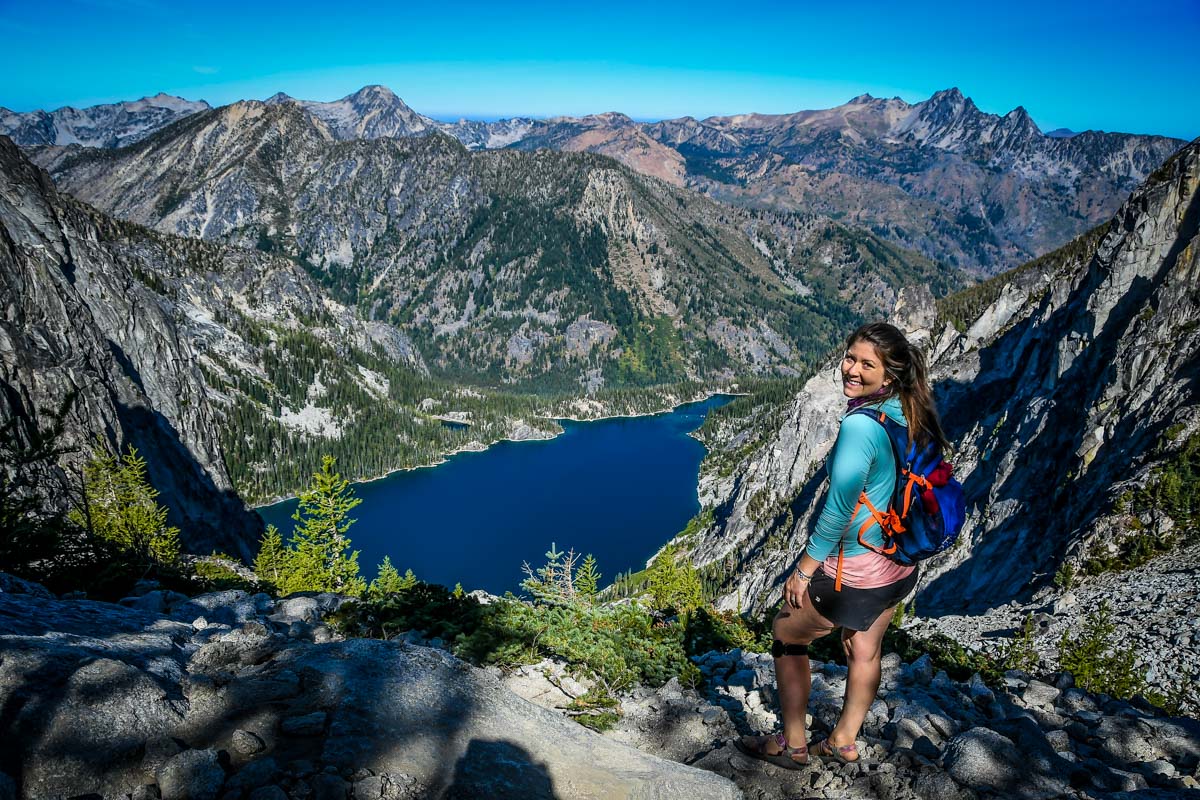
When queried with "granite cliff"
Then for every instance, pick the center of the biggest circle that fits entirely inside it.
(1066, 386)
(152, 334)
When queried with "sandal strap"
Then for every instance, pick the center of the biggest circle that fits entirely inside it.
(781, 740)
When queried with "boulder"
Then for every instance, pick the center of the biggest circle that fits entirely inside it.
(11, 584)
(400, 709)
(191, 775)
(984, 760)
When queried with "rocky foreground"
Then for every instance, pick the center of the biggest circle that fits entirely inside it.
(230, 695)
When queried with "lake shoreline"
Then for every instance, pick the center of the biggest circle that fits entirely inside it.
(484, 447)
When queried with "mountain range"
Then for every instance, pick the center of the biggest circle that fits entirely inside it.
(961, 186)
(546, 269)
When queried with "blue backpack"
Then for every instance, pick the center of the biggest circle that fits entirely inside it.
(927, 509)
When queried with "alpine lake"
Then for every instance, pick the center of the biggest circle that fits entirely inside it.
(616, 488)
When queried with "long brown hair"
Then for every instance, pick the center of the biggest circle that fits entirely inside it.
(905, 366)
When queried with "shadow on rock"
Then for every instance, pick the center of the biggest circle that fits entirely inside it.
(499, 770)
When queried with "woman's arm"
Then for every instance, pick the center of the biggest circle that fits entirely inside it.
(849, 466)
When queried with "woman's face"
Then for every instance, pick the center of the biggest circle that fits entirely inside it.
(862, 371)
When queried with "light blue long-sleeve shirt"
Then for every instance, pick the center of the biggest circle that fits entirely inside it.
(861, 460)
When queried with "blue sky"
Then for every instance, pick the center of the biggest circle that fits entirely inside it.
(1102, 65)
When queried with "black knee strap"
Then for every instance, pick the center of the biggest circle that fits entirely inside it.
(779, 649)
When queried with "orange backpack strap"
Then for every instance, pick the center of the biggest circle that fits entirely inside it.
(837, 581)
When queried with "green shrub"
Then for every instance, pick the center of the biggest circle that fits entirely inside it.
(708, 629)
(218, 577)
(674, 586)
(389, 581)
(596, 710)
(119, 506)
(1064, 578)
(1098, 662)
(1019, 652)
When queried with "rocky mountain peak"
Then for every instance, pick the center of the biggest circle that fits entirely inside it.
(373, 112)
(279, 97)
(374, 93)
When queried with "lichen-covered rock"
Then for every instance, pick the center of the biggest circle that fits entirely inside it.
(191, 775)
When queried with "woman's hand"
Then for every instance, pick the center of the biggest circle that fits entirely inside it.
(794, 591)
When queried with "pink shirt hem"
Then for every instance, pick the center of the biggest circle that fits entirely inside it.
(867, 570)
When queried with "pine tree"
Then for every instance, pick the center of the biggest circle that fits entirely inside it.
(322, 561)
(389, 581)
(119, 507)
(672, 586)
(273, 563)
(587, 579)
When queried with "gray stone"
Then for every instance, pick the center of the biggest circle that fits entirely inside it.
(1039, 694)
(230, 607)
(924, 746)
(937, 785)
(1159, 769)
(299, 609)
(744, 678)
(247, 743)
(922, 669)
(147, 791)
(157, 752)
(256, 773)
(1059, 740)
(191, 775)
(984, 760)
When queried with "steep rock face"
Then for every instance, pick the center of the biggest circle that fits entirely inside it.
(486, 260)
(1064, 385)
(153, 333)
(113, 125)
(77, 320)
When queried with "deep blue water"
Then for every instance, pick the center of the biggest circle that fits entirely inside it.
(616, 488)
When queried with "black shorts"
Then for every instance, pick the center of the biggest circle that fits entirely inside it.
(856, 609)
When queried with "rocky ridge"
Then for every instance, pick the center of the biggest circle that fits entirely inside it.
(230, 695)
(961, 186)
(110, 125)
(493, 262)
(1069, 385)
(964, 187)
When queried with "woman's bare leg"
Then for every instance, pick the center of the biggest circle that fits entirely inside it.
(864, 650)
(793, 676)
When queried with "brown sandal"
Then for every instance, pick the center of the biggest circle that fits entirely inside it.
(826, 749)
(788, 757)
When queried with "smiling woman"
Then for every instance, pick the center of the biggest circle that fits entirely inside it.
(882, 370)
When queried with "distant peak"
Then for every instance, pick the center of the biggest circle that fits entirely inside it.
(374, 90)
(862, 100)
(1061, 133)
(610, 118)
(279, 97)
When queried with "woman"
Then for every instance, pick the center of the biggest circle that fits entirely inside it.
(880, 369)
